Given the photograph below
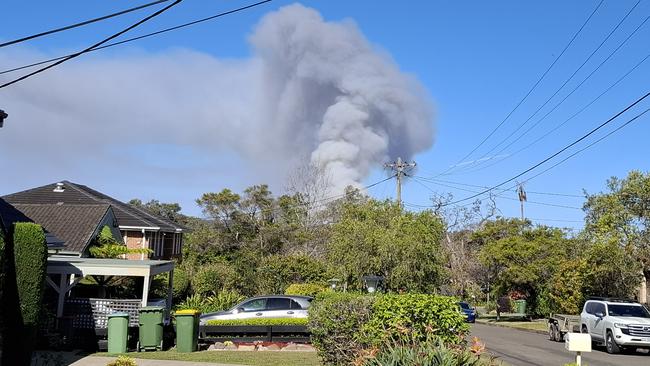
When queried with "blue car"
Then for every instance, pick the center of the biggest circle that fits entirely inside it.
(468, 311)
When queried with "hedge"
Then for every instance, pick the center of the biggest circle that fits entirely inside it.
(259, 322)
(343, 325)
(305, 289)
(414, 318)
(335, 320)
(30, 256)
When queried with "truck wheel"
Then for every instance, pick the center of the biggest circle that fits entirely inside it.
(610, 343)
(558, 334)
(551, 331)
(584, 330)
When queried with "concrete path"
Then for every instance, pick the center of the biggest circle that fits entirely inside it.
(102, 361)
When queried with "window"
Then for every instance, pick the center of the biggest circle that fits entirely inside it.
(276, 303)
(589, 308)
(628, 310)
(254, 305)
(599, 308)
(295, 305)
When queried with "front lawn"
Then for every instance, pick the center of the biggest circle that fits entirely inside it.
(250, 358)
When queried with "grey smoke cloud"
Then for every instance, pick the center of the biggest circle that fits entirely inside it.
(311, 88)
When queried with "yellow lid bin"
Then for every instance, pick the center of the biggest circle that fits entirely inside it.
(187, 330)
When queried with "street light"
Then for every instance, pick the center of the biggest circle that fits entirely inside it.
(372, 282)
(3, 115)
(333, 283)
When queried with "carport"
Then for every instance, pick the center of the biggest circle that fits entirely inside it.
(72, 269)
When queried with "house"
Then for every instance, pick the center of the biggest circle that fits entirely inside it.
(10, 215)
(70, 209)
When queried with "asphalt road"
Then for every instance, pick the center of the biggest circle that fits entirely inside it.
(518, 347)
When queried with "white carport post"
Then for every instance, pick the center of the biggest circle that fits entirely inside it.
(170, 292)
(63, 284)
(145, 289)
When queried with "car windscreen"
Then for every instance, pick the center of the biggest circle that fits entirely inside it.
(464, 305)
(628, 310)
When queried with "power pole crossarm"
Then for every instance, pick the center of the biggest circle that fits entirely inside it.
(400, 168)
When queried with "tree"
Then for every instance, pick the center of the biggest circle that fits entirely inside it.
(466, 274)
(170, 211)
(521, 257)
(621, 217)
(379, 238)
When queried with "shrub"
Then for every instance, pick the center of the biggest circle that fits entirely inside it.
(213, 278)
(277, 272)
(260, 321)
(429, 353)
(222, 300)
(30, 256)
(335, 320)
(305, 289)
(180, 282)
(122, 361)
(412, 318)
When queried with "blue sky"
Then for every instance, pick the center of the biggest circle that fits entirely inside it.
(476, 60)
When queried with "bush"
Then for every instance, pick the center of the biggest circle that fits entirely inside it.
(429, 353)
(305, 289)
(223, 300)
(335, 320)
(412, 318)
(260, 322)
(123, 361)
(214, 277)
(276, 273)
(180, 282)
(30, 257)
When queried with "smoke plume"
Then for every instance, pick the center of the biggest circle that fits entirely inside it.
(311, 88)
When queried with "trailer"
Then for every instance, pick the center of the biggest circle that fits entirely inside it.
(561, 324)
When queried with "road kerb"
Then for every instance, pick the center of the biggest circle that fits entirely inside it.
(538, 331)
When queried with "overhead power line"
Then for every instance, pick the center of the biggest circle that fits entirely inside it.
(144, 35)
(556, 153)
(68, 27)
(435, 181)
(507, 156)
(539, 80)
(611, 54)
(498, 195)
(590, 145)
(70, 57)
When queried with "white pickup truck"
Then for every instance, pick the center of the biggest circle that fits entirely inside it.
(618, 324)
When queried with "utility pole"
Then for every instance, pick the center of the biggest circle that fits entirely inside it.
(399, 166)
(3, 115)
(522, 198)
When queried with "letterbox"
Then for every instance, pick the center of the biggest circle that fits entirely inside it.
(577, 342)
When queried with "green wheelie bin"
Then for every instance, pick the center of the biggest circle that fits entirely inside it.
(151, 328)
(187, 330)
(118, 326)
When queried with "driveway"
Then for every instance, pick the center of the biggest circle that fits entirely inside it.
(518, 347)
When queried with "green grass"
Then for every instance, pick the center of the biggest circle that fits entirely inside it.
(250, 358)
(529, 325)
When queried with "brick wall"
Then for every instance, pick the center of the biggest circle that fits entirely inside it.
(133, 240)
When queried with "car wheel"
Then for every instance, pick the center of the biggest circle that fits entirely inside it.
(584, 330)
(551, 331)
(610, 343)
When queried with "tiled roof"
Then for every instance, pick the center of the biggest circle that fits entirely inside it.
(77, 194)
(77, 225)
(10, 215)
